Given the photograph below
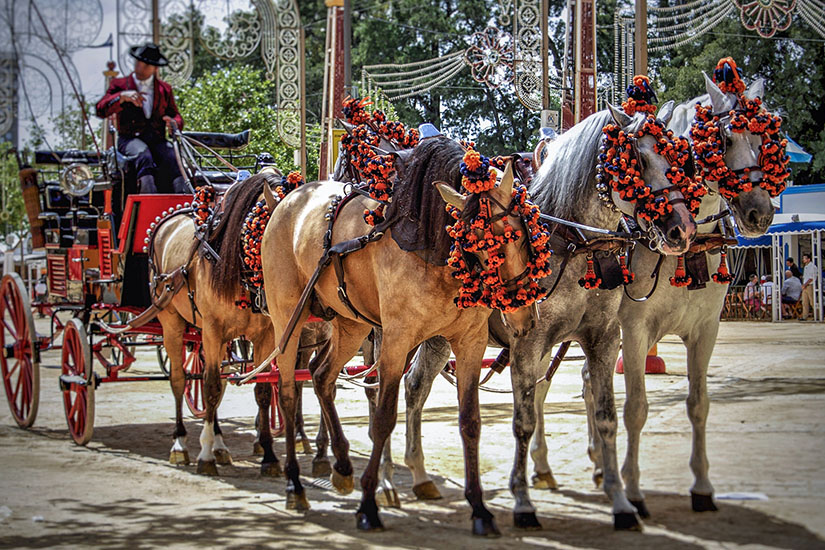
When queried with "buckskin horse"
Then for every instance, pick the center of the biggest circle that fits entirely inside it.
(215, 287)
(384, 284)
(565, 187)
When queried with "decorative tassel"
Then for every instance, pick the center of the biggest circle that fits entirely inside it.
(722, 276)
(627, 275)
(680, 278)
(590, 281)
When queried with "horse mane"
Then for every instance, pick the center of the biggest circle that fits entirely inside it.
(417, 207)
(225, 238)
(563, 180)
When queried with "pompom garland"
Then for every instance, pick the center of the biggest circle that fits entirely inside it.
(709, 148)
(483, 286)
(377, 170)
(202, 204)
(640, 97)
(590, 280)
(680, 278)
(627, 275)
(288, 183)
(728, 77)
(722, 275)
(617, 158)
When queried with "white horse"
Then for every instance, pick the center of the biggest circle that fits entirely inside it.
(693, 315)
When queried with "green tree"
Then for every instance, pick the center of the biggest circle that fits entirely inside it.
(12, 210)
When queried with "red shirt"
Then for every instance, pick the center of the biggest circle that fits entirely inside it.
(131, 121)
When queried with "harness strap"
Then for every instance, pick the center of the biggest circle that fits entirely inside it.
(655, 275)
(556, 362)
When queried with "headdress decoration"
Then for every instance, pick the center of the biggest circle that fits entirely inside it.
(618, 159)
(482, 286)
(728, 77)
(359, 145)
(640, 97)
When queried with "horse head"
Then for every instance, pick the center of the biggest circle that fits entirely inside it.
(737, 148)
(662, 209)
(513, 263)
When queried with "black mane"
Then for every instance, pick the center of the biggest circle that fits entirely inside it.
(417, 208)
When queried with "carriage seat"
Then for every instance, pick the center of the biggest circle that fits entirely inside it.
(217, 140)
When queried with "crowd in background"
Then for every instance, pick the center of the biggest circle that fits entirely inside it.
(797, 287)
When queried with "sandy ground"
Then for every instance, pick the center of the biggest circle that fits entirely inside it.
(766, 437)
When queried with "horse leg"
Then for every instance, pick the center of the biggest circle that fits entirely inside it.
(601, 347)
(429, 360)
(212, 391)
(173, 328)
(700, 345)
(594, 444)
(634, 353)
(469, 353)
(270, 466)
(394, 349)
(542, 474)
(222, 455)
(306, 447)
(346, 339)
(525, 354)
(320, 462)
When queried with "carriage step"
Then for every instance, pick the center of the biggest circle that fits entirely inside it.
(66, 381)
(58, 367)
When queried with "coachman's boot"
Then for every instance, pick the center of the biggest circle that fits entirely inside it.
(146, 185)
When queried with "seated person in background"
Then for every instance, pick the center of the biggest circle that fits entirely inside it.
(766, 292)
(751, 294)
(791, 291)
(793, 268)
(145, 107)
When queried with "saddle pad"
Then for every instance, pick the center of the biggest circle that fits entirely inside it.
(696, 266)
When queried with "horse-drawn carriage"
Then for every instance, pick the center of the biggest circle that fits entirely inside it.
(84, 212)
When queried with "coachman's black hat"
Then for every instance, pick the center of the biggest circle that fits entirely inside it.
(149, 53)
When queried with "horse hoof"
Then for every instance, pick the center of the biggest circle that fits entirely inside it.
(207, 468)
(223, 457)
(321, 468)
(368, 522)
(485, 527)
(626, 521)
(641, 508)
(702, 503)
(545, 481)
(257, 449)
(598, 477)
(426, 491)
(343, 484)
(388, 498)
(306, 446)
(179, 457)
(526, 520)
(271, 469)
(297, 501)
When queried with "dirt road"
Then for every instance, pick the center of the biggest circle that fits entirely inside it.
(766, 440)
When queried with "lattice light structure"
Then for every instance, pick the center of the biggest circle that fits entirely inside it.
(28, 62)
(232, 30)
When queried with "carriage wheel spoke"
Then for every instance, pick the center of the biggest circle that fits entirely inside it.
(10, 329)
(11, 370)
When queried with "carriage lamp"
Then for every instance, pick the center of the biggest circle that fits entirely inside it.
(77, 179)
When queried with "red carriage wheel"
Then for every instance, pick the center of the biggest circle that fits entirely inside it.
(18, 359)
(193, 390)
(79, 396)
(276, 419)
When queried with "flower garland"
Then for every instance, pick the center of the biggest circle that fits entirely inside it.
(484, 287)
(640, 97)
(252, 234)
(378, 170)
(709, 148)
(617, 159)
(728, 77)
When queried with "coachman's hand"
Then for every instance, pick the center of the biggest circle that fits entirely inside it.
(170, 123)
(131, 96)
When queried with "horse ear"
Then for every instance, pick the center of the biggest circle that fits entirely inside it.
(620, 117)
(666, 112)
(718, 99)
(450, 195)
(348, 127)
(756, 89)
(506, 185)
(271, 201)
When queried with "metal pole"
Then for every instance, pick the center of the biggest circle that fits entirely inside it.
(545, 46)
(302, 61)
(348, 47)
(640, 53)
(155, 22)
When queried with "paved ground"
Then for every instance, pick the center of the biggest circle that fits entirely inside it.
(766, 439)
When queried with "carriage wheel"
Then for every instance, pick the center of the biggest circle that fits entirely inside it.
(78, 399)
(276, 419)
(163, 360)
(193, 361)
(21, 371)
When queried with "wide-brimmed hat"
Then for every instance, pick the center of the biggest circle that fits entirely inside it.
(149, 53)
